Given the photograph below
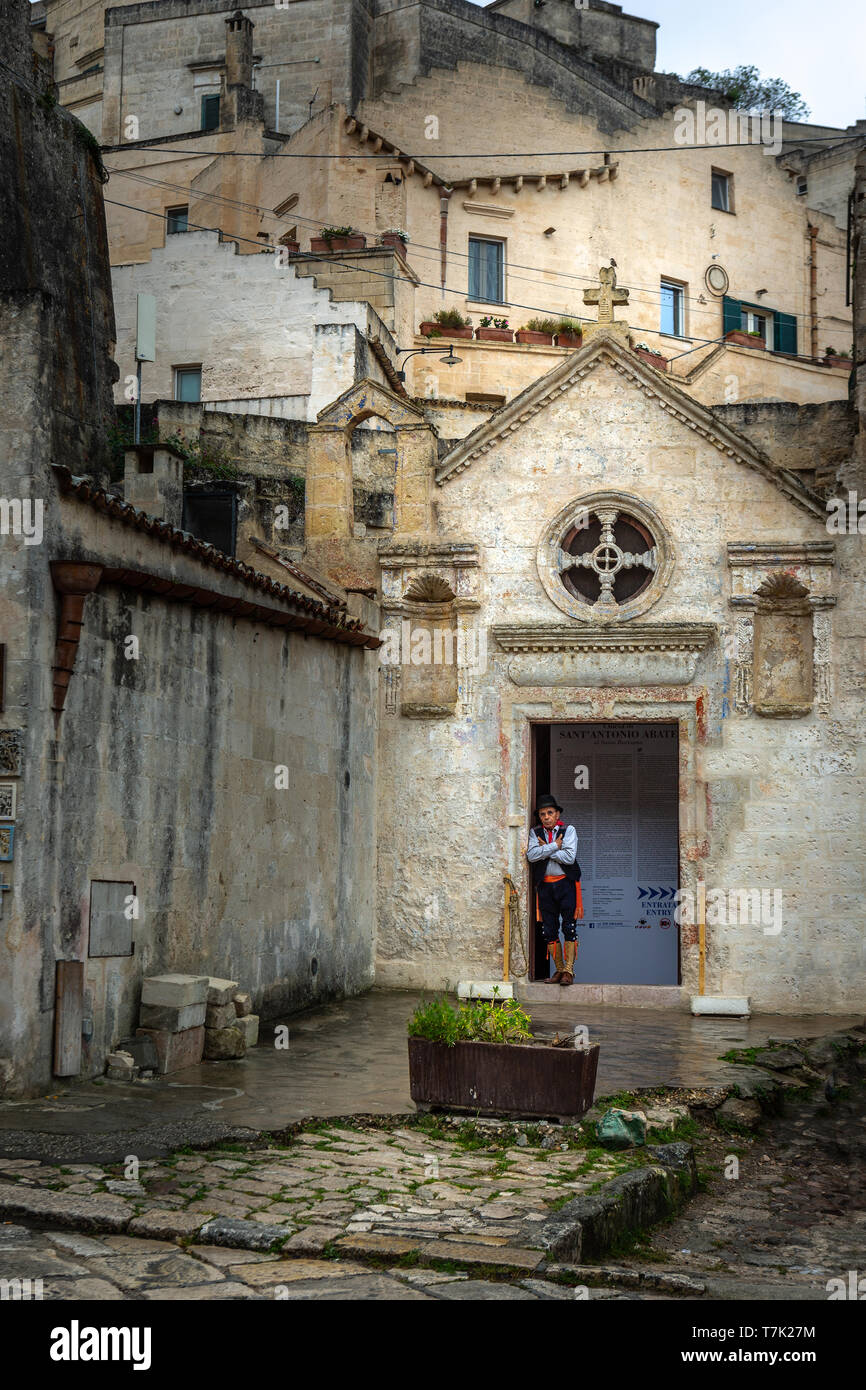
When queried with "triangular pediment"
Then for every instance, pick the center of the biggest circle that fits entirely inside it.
(368, 398)
(604, 349)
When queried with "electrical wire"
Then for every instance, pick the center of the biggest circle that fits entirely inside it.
(434, 252)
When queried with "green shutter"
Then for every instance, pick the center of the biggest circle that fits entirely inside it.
(731, 310)
(785, 333)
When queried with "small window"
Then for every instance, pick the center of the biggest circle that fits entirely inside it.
(210, 112)
(672, 315)
(187, 383)
(802, 185)
(487, 270)
(722, 191)
(176, 220)
(753, 322)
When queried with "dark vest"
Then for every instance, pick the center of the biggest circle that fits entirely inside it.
(544, 866)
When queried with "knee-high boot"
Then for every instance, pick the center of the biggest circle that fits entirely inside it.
(554, 950)
(567, 975)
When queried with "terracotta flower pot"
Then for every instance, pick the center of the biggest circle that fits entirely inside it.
(391, 239)
(293, 247)
(832, 360)
(494, 335)
(529, 335)
(742, 339)
(569, 340)
(320, 245)
(429, 326)
(655, 359)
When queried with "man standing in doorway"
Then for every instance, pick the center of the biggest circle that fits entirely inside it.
(552, 852)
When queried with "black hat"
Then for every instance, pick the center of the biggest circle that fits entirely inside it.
(548, 801)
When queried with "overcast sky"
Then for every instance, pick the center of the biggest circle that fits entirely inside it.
(818, 49)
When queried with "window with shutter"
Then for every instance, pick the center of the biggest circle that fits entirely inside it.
(486, 265)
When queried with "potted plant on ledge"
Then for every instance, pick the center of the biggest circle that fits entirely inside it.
(569, 334)
(491, 330)
(482, 1057)
(338, 239)
(744, 339)
(394, 237)
(837, 359)
(537, 331)
(446, 323)
(650, 355)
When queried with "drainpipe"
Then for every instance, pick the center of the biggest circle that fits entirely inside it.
(445, 194)
(813, 290)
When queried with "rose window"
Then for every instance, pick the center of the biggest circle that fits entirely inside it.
(607, 558)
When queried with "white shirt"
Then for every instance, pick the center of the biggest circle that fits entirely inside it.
(566, 855)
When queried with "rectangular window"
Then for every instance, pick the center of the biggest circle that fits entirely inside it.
(672, 316)
(210, 112)
(187, 383)
(176, 220)
(753, 322)
(722, 191)
(487, 270)
(802, 186)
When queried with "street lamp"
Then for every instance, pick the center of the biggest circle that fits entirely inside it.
(450, 360)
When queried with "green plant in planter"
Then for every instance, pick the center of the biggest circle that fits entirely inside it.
(488, 322)
(395, 231)
(542, 325)
(439, 1021)
(753, 333)
(330, 233)
(451, 318)
(569, 326)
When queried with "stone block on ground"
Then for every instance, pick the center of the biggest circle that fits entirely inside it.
(220, 991)
(244, 1235)
(120, 1066)
(741, 1112)
(223, 1044)
(175, 1050)
(620, 1129)
(311, 1240)
(243, 1003)
(172, 1017)
(219, 1016)
(177, 990)
(249, 1026)
(142, 1051)
(165, 1225)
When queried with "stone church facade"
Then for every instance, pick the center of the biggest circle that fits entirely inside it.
(614, 547)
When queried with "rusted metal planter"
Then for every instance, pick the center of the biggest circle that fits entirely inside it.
(497, 1078)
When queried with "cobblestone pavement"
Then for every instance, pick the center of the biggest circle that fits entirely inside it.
(352, 1194)
(329, 1183)
(448, 1208)
(351, 1058)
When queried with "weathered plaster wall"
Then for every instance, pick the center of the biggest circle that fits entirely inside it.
(764, 803)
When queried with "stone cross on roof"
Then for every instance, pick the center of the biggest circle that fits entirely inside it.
(605, 295)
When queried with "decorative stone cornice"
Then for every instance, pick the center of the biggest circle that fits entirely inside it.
(781, 553)
(631, 637)
(396, 554)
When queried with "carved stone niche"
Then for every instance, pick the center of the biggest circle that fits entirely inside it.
(783, 648)
(428, 649)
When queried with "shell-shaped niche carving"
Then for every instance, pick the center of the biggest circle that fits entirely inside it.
(780, 584)
(429, 588)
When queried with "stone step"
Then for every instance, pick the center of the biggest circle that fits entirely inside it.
(574, 997)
